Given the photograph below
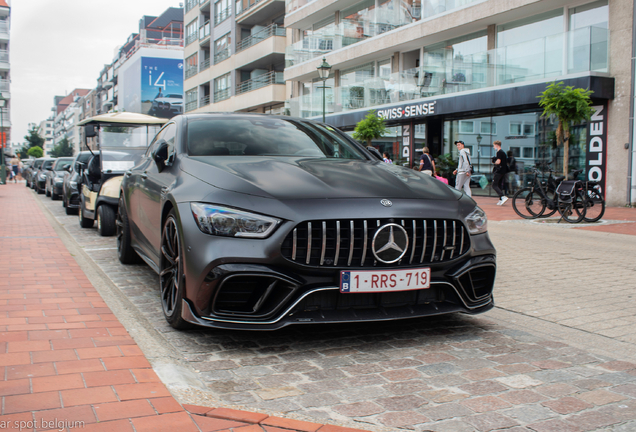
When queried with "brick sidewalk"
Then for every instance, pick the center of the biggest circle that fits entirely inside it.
(68, 362)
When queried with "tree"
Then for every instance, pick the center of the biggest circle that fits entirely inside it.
(369, 128)
(63, 148)
(34, 139)
(570, 105)
(35, 152)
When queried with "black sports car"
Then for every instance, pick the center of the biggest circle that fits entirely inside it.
(55, 177)
(38, 178)
(70, 194)
(258, 222)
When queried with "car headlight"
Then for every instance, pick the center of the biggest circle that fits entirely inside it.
(224, 221)
(476, 221)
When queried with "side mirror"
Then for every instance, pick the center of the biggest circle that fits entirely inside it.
(79, 166)
(67, 167)
(90, 130)
(160, 155)
(374, 151)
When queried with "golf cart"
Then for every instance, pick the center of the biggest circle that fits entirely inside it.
(122, 139)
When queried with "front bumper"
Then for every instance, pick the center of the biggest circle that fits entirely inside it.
(248, 284)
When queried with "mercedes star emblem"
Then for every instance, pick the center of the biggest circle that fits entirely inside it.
(390, 243)
(386, 203)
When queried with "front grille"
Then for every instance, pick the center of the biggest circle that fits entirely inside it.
(347, 243)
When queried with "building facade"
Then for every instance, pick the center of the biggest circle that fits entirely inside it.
(46, 131)
(443, 70)
(5, 72)
(235, 56)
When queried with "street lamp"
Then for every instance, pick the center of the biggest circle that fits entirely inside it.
(323, 73)
(479, 138)
(3, 167)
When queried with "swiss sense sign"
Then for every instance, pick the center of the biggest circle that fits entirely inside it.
(408, 111)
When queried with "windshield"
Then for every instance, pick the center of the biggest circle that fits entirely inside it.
(48, 164)
(61, 162)
(262, 136)
(126, 136)
(114, 161)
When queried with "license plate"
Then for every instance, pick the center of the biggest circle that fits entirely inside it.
(384, 280)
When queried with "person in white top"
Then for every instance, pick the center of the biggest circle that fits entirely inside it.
(463, 169)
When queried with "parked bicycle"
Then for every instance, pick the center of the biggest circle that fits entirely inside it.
(571, 199)
(539, 199)
(595, 203)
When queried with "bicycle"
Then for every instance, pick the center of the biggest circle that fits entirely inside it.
(533, 201)
(595, 203)
(571, 200)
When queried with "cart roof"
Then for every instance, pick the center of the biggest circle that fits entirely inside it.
(124, 117)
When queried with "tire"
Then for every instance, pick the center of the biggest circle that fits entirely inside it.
(595, 206)
(106, 220)
(84, 223)
(125, 252)
(171, 278)
(573, 212)
(54, 196)
(40, 191)
(70, 211)
(521, 201)
(46, 191)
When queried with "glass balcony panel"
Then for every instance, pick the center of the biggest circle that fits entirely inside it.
(222, 94)
(222, 55)
(204, 31)
(260, 81)
(443, 71)
(205, 64)
(205, 100)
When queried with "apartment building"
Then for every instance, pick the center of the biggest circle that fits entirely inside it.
(66, 116)
(442, 70)
(5, 71)
(46, 131)
(235, 56)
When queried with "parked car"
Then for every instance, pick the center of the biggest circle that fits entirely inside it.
(39, 177)
(70, 194)
(35, 166)
(55, 177)
(259, 222)
(26, 169)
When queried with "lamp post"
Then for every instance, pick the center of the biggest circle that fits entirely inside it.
(3, 167)
(323, 73)
(479, 138)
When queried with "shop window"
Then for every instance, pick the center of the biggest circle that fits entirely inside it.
(528, 152)
(466, 127)
(488, 128)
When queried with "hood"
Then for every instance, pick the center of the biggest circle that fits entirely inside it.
(314, 178)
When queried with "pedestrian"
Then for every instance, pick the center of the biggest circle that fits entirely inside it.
(499, 170)
(427, 164)
(463, 169)
(512, 171)
(9, 170)
(15, 162)
(387, 158)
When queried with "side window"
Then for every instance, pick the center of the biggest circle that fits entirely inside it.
(169, 134)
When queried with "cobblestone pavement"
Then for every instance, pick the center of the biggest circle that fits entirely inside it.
(457, 373)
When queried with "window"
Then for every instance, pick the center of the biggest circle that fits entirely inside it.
(222, 11)
(515, 128)
(488, 128)
(192, 32)
(222, 48)
(528, 152)
(466, 127)
(222, 88)
(528, 130)
(191, 99)
(485, 151)
(191, 65)
(516, 151)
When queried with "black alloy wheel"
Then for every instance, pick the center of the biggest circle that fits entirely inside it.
(106, 220)
(171, 275)
(125, 252)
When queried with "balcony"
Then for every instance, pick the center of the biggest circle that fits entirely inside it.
(222, 16)
(192, 105)
(442, 73)
(205, 64)
(267, 32)
(189, 4)
(4, 29)
(260, 81)
(222, 55)
(190, 72)
(205, 100)
(204, 31)
(191, 38)
(4, 85)
(369, 23)
(251, 12)
(221, 95)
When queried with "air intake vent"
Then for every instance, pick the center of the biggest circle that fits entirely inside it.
(347, 243)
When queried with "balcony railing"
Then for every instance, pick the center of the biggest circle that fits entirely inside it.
(220, 95)
(4, 56)
(205, 64)
(221, 55)
(192, 105)
(191, 38)
(245, 5)
(204, 31)
(4, 27)
(202, 2)
(4, 85)
(368, 23)
(205, 100)
(539, 59)
(267, 32)
(191, 71)
(222, 15)
(260, 81)
(189, 4)
(292, 5)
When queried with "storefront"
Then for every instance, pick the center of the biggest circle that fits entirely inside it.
(510, 115)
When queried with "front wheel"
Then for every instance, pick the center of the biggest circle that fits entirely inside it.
(527, 204)
(171, 276)
(106, 220)
(595, 206)
(573, 211)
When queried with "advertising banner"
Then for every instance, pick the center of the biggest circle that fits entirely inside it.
(597, 145)
(161, 86)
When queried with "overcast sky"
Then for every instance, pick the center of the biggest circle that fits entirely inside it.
(59, 45)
